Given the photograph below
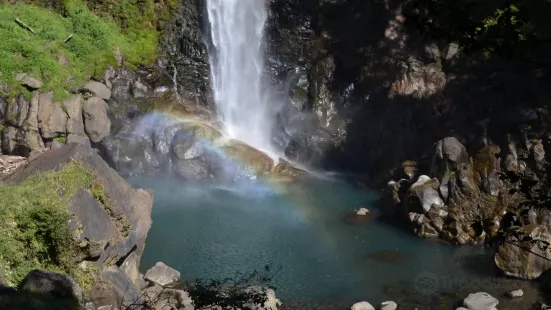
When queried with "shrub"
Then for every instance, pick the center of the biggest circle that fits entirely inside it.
(34, 230)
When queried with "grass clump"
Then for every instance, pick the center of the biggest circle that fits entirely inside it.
(34, 230)
(61, 138)
(63, 65)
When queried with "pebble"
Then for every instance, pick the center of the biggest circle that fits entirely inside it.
(389, 305)
(515, 294)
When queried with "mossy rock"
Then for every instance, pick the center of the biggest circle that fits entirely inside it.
(247, 156)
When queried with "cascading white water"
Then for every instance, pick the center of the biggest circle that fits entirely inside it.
(237, 31)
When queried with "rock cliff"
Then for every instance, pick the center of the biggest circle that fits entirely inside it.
(362, 87)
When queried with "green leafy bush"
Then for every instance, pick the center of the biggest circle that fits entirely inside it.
(63, 65)
(34, 231)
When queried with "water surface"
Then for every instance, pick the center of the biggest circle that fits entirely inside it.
(208, 230)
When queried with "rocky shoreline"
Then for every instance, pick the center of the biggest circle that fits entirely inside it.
(109, 231)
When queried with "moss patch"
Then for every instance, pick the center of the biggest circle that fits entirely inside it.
(63, 65)
(34, 230)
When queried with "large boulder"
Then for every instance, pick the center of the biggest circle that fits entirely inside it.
(31, 120)
(162, 275)
(91, 223)
(286, 169)
(52, 119)
(96, 122)
(17, 110)
(43, 290)
(426, 190)
(451, 166)
(515, 261)
(73, 108)
(97, 89)
(250, 161)
(31, 82)
(480, 301)
(55, 284)
(110, 224)
(116, 290)
(191, 169)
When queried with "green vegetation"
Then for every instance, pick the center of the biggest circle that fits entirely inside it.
(99, 195)
(34, 231)
(518, 29)
(93, 45)
(62, 138)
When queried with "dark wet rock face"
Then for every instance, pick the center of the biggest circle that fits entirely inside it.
(184, 58)
(362, 87)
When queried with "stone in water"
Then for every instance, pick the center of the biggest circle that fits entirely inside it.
(480, 301)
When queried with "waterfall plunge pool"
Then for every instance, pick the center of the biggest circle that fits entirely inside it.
(208, 230)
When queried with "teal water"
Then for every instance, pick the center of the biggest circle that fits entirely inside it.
(209, 230)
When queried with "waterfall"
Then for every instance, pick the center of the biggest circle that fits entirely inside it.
(237, 66)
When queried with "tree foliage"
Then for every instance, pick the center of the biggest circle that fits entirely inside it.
(518, 29)
(242, 291)
(233, 292)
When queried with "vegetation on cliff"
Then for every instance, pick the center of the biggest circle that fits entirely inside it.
(516, 29)
(71, 44)
(34, 230)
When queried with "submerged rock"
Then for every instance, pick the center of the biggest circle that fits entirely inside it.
(353, 218)
(516, 293)
(389, 256)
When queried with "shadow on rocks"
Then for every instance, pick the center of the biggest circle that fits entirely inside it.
(41, 291)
